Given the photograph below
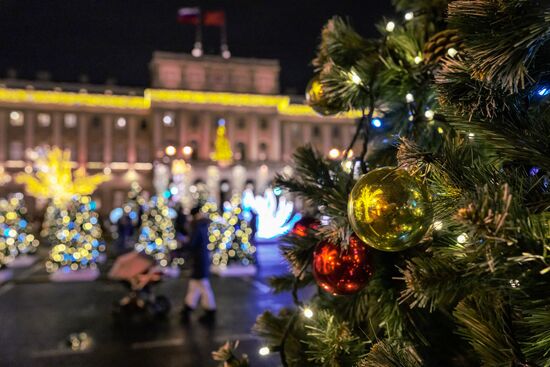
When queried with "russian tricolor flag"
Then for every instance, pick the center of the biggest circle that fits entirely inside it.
(189, 15)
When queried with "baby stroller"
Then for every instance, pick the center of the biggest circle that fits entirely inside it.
(139, 274)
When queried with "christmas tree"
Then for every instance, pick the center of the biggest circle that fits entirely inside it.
(229, 234)
(157, 236)
(222, 153)
(15, 236)
(439, 257)
(77, 242)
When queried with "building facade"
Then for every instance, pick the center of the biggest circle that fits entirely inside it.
(128, 132)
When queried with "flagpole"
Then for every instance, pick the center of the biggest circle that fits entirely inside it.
(226, 54)
(197, 48)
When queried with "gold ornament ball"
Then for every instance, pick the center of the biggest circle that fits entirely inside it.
(315, 97)
(389, 209)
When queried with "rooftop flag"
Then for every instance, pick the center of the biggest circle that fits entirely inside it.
(214, 18)
(189, 15)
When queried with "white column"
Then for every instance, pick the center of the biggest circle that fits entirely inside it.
(326, 136)
(132, 128)
(107, 139)
(182, 124)
(306, 129)
(287, 148)
(82, 140)
(253, 141)
(3, 135)
(29, 121)
(57, 127)
(206, 128)
(276, 141)
(157, 134)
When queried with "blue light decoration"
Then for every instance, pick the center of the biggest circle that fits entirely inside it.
(221, 122)
(277, 191)
(534, 171)
(275, 217)
(543, 91)
(376, 122)
(167, 194)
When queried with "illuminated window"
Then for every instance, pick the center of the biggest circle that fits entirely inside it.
(17, 118)
(44, 119)
(70, 120)
(120, 123)
(168, 119)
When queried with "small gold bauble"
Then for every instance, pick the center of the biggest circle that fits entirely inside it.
(389, 209)
(315, 97)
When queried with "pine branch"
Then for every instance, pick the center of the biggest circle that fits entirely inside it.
(485, 321)
(384, 354)
(331, 343)
(502, 37)
(226, 355)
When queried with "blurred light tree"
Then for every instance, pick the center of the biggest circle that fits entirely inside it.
(15, 232)
(229, 234)
(77, 240)
(157, 236)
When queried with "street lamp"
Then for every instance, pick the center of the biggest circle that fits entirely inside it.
(334, 153)
(170, 150)
(187, 151)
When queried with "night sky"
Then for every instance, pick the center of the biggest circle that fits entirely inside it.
(116, 38)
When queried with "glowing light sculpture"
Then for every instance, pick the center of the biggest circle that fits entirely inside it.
(53, 177)
(274, 219)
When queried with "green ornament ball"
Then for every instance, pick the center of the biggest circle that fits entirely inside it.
(389, 209)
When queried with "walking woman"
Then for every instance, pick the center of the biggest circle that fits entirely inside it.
(199, 288)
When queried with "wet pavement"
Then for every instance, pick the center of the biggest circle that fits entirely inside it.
(37, 317)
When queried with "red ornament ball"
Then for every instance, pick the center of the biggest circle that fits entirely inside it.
(342, 272)
(303, 225)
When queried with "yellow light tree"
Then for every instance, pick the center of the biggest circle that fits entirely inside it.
(222, 154)
(54, 179)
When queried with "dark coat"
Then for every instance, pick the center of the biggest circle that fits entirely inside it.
(199, 249)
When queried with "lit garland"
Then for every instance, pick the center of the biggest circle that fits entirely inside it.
(143, 103)
(15, 238)
(77, 239)
(157, 235)
(54, 179)
(229, 234)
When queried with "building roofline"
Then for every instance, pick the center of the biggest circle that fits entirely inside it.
(215, 58)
